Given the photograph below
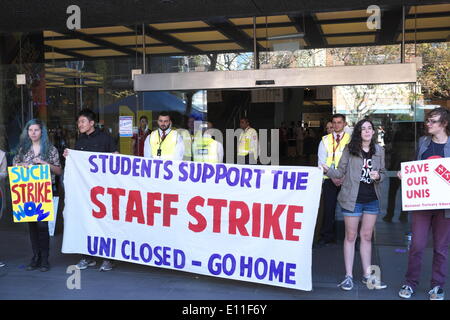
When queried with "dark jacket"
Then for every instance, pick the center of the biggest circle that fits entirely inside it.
(350, 166)
(424, 143)
(97, 141)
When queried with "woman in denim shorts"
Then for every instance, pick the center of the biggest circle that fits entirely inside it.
(362, 166)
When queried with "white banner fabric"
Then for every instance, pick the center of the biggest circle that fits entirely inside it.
(241, 222)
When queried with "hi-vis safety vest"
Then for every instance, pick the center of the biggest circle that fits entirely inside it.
(245, 139)
(205, 150)
(167, 145)
(187, 139)
(334, 150)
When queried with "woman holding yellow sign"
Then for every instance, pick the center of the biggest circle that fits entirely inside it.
(36, 149)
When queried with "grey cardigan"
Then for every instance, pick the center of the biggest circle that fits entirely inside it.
(424, 143)
(350, 166)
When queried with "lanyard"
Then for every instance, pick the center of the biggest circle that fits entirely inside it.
(161, 142)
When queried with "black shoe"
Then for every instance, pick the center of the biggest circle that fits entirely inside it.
(387, 219)
(322, 243)
(34, 264)
(45, 266)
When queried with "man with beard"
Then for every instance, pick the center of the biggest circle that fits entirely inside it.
(164, 143)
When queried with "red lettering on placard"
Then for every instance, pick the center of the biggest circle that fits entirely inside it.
(291, 223)
(417, 181)
(37, 192)
(192, 209)
(102, 209)
(272, 221)
(417, 168)
(414, 194)
(236, 223)
(116, 193)
(168, 211)
(218, 205)
(267, 221)
(134, 207)
(151, 208)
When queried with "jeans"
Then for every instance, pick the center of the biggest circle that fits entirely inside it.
(422, 222)
(372, 207)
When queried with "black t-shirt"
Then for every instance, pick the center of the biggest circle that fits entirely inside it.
(434, 150)
(97, 141)
(366, 191)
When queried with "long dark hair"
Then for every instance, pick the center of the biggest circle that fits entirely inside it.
(355, 144)
(25, 141)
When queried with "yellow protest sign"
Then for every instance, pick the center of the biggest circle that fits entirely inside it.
(31, 193)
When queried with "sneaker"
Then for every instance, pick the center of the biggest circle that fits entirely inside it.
(106, 265)
(2, 264)
(437, 293)
(347, 284)
(85, 263)
(372, 282)
(406, 292)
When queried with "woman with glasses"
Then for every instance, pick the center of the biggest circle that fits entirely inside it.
(36, 149)
(436, 144)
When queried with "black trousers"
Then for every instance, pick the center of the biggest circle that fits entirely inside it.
(394, 186)
(330, 193)
(40, 239)
(246, 159)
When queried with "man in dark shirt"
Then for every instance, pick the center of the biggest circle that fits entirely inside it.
(94, 140)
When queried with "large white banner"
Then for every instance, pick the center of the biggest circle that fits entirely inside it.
(426, 184)
(249, 223)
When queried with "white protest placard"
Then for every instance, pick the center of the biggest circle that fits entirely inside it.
(126, 126)
(426, 184)
(241, 222)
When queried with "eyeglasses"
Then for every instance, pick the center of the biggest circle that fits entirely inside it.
(431, 121)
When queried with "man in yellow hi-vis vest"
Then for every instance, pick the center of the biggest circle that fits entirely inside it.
(187, 140)
(329, 153)
(205, 148)
(164, 143)
(248, 143)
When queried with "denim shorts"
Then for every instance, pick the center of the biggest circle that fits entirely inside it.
(372, 207)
